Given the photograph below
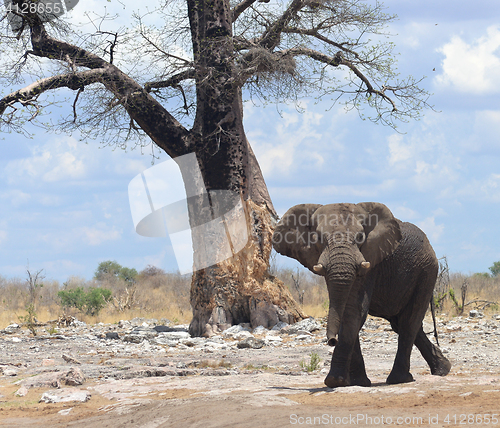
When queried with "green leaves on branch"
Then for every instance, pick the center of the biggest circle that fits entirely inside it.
(495, 269)
(89, 302)
(109, 269)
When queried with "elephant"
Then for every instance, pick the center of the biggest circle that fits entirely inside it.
(373, 264)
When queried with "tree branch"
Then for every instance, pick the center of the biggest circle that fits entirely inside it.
(271, 37)
(29, 94)
(241, 7)
(315, 33)
(337, 60)
(185, 61)
(170, 82)
(48, 47)
(145, 110)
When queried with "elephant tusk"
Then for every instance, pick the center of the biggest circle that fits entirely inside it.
(365, 265)
(319, 269)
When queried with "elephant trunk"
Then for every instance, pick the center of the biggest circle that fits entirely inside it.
(340, 275)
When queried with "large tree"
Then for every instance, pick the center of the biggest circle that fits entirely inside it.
(181, 83)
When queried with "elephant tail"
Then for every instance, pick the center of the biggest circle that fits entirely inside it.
(433, 312)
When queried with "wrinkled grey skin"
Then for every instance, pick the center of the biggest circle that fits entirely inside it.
(373, 264)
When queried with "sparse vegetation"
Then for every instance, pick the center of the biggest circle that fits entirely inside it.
(307, 288)
(467, 292)
(154, 293)
(495, 269)
(313, 363)
(89, 302)
(29, 320)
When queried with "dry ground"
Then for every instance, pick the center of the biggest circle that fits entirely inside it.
(272, 397)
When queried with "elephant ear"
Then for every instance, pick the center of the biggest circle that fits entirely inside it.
(295, 235)
(382, 231)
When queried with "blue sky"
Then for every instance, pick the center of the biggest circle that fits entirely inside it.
(65, 204)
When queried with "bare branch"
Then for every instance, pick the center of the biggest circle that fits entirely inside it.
(271, 37)
(168, 54)
(29, 94)
(339, 60)
(112, 44)
(48, 47)
(241, 7)
(74, 103)
(315, 33)
(170, 82)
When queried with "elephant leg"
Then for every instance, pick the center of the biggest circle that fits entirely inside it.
(341, 360)
(400, 372)
(347, 366)
(357, 371)
(438, 363)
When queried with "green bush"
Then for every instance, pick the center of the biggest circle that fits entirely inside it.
(495, 269)
(90, 302)
(111, 268)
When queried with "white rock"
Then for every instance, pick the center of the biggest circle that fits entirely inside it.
(242, 335)
(303, 337)
(280, 325)
(309, 324)
(260, 330)
(64, 395)
(174, 335)
(233, 330)
(273, 340)
(21, 392)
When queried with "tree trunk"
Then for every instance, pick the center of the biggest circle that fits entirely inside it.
(238, 289)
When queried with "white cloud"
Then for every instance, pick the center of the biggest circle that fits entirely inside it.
(404, 213)
(3, 236)
(472, 67)
(53, 161)
(431, 229)
(295, 139)
(485, 189)
(132, 167)
(15, 197)
(98, 235)
(398, 151)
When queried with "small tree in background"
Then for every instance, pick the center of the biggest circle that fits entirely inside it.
(107, 269)
(122, 280)
(34, 282)
(495, 269)
(89, 302)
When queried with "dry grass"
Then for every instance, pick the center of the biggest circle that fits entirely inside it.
(311, 287)
(165, 296)
(476, 291)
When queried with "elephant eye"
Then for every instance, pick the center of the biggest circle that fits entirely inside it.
(359, 238)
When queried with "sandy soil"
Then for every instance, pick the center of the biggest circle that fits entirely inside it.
(260, 393)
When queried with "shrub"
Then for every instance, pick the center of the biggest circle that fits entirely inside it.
(90, 302)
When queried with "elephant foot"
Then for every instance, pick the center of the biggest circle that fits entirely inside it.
(442, 368)
(334, 381)
(395, 378)
(360, 380)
